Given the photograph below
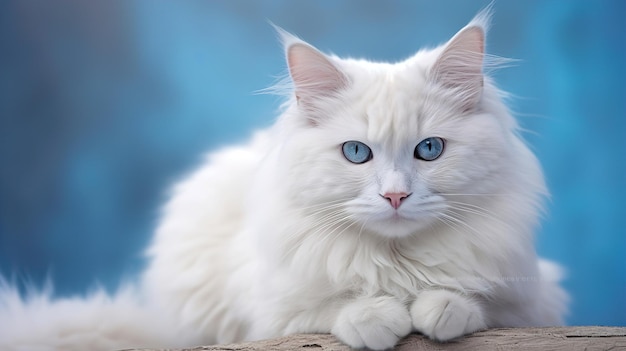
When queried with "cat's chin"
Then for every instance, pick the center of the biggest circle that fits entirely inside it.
(395, 228)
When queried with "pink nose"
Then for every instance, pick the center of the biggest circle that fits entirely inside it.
(395, 199)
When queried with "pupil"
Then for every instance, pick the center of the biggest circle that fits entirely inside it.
(356, 148)
(429, 145)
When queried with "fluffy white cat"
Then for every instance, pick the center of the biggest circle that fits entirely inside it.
(386, 199)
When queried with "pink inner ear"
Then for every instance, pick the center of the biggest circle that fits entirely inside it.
(462, 58)
(460, 65)
(312, 73)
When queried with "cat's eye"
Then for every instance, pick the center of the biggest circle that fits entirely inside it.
(356, 151)
(429, 149)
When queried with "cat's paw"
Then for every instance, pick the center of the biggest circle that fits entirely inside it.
(376, 323)
(443, 315)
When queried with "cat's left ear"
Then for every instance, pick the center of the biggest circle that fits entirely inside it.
(459, 66)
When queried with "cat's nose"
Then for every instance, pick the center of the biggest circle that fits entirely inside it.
(395, 199)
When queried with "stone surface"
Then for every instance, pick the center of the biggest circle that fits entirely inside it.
(557, 338)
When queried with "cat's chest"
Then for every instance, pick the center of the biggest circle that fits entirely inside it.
(354, 261)
(365, 266)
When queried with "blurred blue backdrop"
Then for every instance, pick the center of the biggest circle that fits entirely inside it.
(104, 104)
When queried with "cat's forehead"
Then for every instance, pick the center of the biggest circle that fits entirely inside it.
(390, 97)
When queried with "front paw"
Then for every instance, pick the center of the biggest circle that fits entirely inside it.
(376, 323)
(443, 315)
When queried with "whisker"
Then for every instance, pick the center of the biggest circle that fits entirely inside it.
(327, 225)
(473, 194)
(453, 222)
(479, 211)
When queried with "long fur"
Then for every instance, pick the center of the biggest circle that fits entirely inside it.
(284, 235)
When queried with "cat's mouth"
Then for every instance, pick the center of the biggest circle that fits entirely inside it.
(410, 218)
(415, 213)
(397, 217)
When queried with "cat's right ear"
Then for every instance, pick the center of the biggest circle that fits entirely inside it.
(314, 75)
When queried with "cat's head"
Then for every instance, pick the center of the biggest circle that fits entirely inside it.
(392, 148)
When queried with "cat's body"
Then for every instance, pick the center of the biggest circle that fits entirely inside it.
(385, 199)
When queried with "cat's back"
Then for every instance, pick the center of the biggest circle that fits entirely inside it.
(213, 195)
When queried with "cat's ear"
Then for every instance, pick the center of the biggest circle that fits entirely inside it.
(460, 64)
(314, 75)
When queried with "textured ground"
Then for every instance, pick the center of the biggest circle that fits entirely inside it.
(562, 338)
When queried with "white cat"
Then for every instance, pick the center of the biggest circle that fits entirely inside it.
(387, 198)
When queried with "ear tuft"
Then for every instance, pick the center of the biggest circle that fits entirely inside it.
(314, 75)
(460, 64)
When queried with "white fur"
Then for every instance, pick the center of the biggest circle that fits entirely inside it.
(443, 314)
(95, 322)
(284, 235)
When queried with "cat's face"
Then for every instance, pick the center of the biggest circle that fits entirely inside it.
(393, 151)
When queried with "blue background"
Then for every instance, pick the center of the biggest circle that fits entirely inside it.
(104, 104)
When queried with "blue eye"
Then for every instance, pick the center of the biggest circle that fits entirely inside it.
(429, 149)
(356, 152)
